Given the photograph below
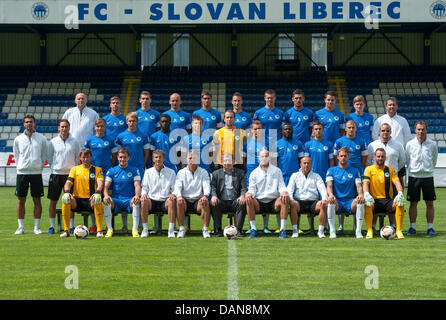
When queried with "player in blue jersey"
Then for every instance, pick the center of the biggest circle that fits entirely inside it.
(200, 142)
(364, 121)
(148, 118)
(180, 119)
(166, 141)
(271, 118)
(332, 118)
(115, 120)
(355, 145)
(136, 142)
(211, 117)
(124, 182)
(101, 146)
(289, 152)
(320, 150)
(243, 120)
(345, 194)
(300, 117)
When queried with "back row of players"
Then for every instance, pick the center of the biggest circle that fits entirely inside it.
(285, 134)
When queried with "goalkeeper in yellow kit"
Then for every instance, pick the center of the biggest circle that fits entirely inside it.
(379, 194)
(86, 182)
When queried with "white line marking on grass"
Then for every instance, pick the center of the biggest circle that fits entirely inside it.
(232, 271)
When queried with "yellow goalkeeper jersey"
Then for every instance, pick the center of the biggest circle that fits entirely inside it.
(84, 180)
(381, 181)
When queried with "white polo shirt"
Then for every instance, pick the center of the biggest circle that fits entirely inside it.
(81, 124)
(192, 186)
(30, 153)
(400, 128)
(266, 185)
(395, 154)
(310, 187)
(421, 158)
(63, 154)
(158, 185)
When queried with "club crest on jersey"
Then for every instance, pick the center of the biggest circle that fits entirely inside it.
(294, 147)
(152, 117)
(336, 118)
(181, 118)
(350, 176)
(91, 175)
(386, 174)
(358, 147)
(237, 138)
(213, 118)
(138, 138)
(305, 117)
(277, 117)
(129, 174)
(106, 143)
(325, 148)
(367, 123)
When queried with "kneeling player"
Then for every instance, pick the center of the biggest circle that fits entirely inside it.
(379, 194)
(124, 182)
(345, 195)
(87, 183)
(157, 192)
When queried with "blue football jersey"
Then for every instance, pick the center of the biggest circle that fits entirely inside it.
(148, 121)
(202, 146)
(356, 147)
(320, 153)
(123, 181)
(364, 125)
(211, 118)
(135, 143)
(344, 181)
(289, 153)
(166, 142)
(243, 120)
(101, 150)
(333, 122)
(115, 125)
(179, 120)
(272, 121)
(301, 120)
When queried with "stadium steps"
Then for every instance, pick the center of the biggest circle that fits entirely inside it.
(337, 82)
(131, 86)
(218, 91)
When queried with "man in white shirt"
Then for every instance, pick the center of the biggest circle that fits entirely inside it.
(192, 189)
(81, 119)
(400, 126)
(30, 153)
(63, 154)
(421, 155)
(157, 192)
(267, 193)
(307, 194)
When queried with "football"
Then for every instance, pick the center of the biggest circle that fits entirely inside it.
(387, 232)
(81, 232)
(230, 232)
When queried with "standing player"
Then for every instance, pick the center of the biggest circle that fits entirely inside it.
(229, 139)
(243, 120)
(180, 119)
(163, 140)
(148, 118)
(345, 194)
(355, 146)
(211, 117)
(332, 118)
(86, 182)
(289, 152)
(201, 143)
(271, 118)
(157, 193)
(300, 117)
(124, 182)
(136, 142)
(422, 154)
(400, 126)
(379, 195)
(364, 121)
(320, 151)
(192, 190)
(63, 154)
(81, 119)
(115, 120)
(30, 153)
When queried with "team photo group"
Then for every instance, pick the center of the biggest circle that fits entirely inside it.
(279, 161)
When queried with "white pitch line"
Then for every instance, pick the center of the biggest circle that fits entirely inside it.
(232, 271)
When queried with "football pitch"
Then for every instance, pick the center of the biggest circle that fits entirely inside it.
(42, 267)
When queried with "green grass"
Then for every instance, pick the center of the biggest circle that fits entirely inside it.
(33, 267)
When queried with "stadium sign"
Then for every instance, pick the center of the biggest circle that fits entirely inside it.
(220, 11)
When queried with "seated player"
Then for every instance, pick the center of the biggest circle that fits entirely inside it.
(307, 194)
(192, 189)
(124, 182)
(379, 195)
(345, 195)
(266, 193)
(157, 192)
(87, 183)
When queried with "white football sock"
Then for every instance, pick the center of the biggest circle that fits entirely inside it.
(21, 223)
(71, 223)
(341, 221)
(36, 223)
(171, 226)
(331, 213)
(359, 217)
(282, 224)
(413, 225)
(252, 224)
(321, 229)
(295, 228)
(430, 225)
(52, 222)
(108, 216)
(145, 226)
(135, 215)
(205, 228)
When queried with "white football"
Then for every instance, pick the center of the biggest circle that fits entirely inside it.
(387, 232)
(81, 232)
(230, 232)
